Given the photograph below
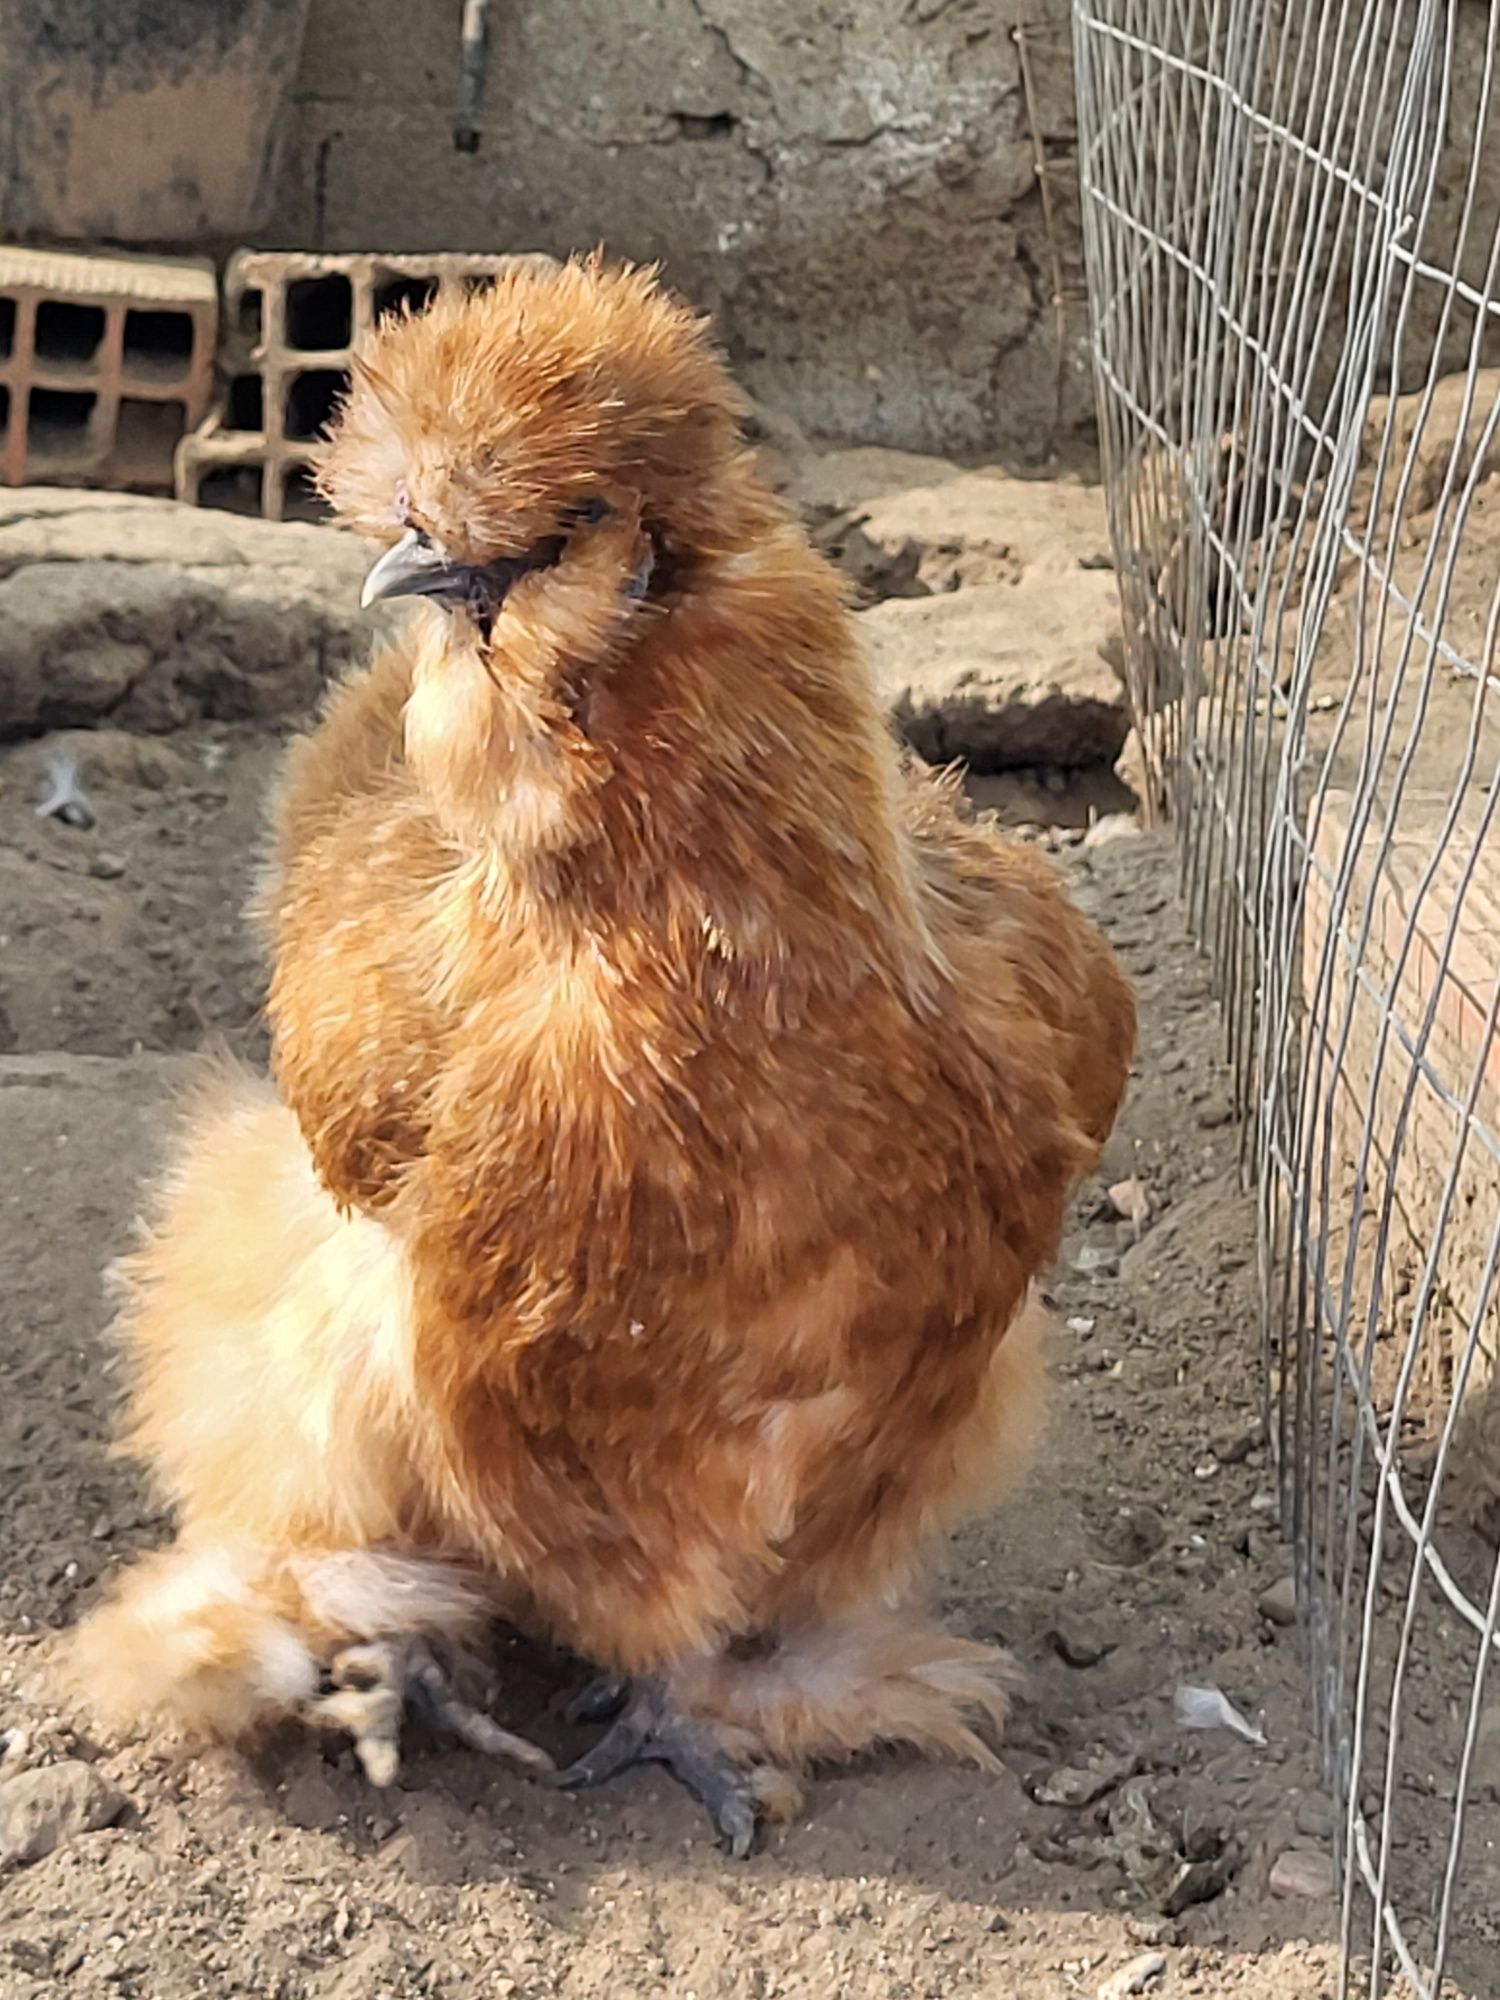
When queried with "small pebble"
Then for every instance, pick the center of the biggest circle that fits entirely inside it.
(1081, 1785)
(41, 1809)
(1135, 1977)
(1094, 1260)
(1151, 1929)
(107, 867)
(1130, 1201)
(1078, 1645)
(1297, 1873)
(1315, 1816)
(1279, 1603)
(1114, 826)
(1235, 1450)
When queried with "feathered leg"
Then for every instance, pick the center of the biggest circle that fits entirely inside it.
(269, 1339)
(738, 1731)
(738, 1726)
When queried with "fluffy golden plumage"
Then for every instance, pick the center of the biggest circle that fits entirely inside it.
(607, 386)
(675, 1097)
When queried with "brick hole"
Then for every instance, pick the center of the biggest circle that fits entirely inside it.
(404, 295)
(245, 405)
(311, 398)
(319, 314)
(4, 411)
(234, 489)
(249, 315)
(57, 424)
(7, 327)
(300, 499)
(146, 436)
(158, 344)
(68, 334)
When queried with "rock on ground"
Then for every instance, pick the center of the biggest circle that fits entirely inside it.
(1303, 1873)
(822, 484)
(144, 615)
(1135, 1977)
(1447, 431)
(148, 614)
(1004, 675)
(972, 528)
(41, 1809)
(993, 626)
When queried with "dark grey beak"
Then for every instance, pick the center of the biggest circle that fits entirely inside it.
(413, 568)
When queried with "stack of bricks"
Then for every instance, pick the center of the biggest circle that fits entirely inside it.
(291, 323)
(105, 364)
(1415, 1132)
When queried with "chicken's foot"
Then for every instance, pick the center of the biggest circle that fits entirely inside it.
(373, 1687)
(650, 1731)
(600, 1701)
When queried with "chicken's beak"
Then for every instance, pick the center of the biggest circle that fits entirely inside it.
(412, 568)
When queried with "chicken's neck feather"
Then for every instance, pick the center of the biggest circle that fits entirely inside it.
(719, 760)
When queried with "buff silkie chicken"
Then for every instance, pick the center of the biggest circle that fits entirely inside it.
(674, 1101)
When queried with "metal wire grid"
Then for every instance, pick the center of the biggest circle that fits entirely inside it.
(1293, 241)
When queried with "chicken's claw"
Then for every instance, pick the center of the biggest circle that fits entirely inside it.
(600, 1701)
(373, 1686)
(650, 1732)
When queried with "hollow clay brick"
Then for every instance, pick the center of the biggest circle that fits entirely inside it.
(105, 364)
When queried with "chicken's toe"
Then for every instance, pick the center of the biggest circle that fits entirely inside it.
(372, 1687)
(651, 1731)
(600, 1701)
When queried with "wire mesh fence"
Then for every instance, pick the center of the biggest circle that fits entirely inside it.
(1292, 219)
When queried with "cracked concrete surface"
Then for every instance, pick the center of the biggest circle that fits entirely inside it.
(849, 185)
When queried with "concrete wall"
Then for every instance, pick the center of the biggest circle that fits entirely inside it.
(848, 184)
(142, 121)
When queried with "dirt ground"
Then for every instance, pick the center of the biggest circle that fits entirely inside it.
(1133, 1562)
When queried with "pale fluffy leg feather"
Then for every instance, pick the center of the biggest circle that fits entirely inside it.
(219, 1640)
(738, 1732)
(205, 1639)
(269, 1341)
(829, 1692)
